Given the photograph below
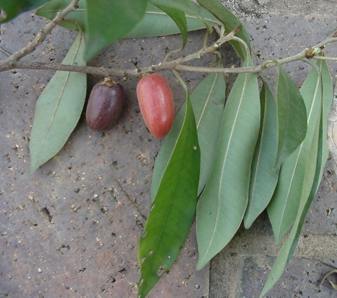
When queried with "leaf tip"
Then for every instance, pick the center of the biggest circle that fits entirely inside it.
(247, 222)
(201, 263)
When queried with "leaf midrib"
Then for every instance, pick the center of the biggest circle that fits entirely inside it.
(258, 161)
(299, 153)
(223, 165)
(172, 201)
(207, 100)
(66, 81)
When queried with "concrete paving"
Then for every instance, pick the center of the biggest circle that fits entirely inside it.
(71, 229)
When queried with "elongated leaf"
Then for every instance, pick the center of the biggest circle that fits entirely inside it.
(173, 209)
(58, 108)
(224, 200)
(264, 174)
(208, 104)
(191, 9)
(292, 129)
(208, 100)
(289, 246)
(157, 23)
(230, 23)
(154, 23)
(328, 97)
(283, 208)
(108, 21)
(11, 8)
(178, 16)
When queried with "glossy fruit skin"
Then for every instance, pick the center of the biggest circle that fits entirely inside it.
(105, 105)
(156, 104)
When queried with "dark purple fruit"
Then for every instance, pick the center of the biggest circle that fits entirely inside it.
(105, 106)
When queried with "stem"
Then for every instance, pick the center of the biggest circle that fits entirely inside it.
(326, 58)
(179, 64)
(40, 37)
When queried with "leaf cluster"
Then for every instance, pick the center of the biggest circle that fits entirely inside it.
(226, 160)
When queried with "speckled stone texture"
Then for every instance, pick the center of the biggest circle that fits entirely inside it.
(71, 229)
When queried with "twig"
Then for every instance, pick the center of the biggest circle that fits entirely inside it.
(326, 58)
(176, 64)
(39, 38)
(100, 71)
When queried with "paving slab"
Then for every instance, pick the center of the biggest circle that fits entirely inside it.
(71, 229)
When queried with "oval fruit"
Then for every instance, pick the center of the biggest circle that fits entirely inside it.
(105, 106)
(156, 104)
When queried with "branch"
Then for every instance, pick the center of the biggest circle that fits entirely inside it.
(40, 37)
(326, 58)
(100, 71)
(176, 64)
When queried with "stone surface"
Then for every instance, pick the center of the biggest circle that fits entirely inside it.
(71, 229)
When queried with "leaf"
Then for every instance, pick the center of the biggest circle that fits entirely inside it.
(292, 116)
(230, 22)
(264, 174)
(328, 97)
(173, 209)
(178, 16)
(108, 21)
(74, 20)
(191, 9)
(290, 244)
(157, 23)
(12, 8)
(284, 205)
(224, 200)
(154, 22)
(58, 108)
(207, 100)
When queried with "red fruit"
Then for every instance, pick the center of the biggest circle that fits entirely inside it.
(156, 104)
(105, 106)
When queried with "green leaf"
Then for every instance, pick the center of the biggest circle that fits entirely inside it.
(264, 174)
(327, 84)
(292, 116)
(284, 205)
(191, 9)
(230, 22)
(173, 209)
(224, 200)
(157, 23)
(290, 245)
(108, 21)
(178, 16)
(12, 8)
(208, 100)
(154, 23)
(74, 20)
(58, 108)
